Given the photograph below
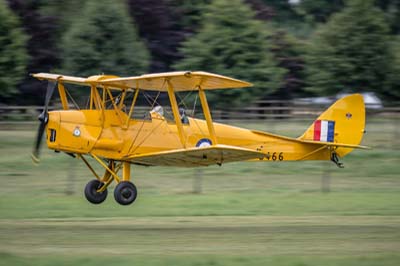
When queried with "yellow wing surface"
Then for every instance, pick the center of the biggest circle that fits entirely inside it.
(217, 154)
(180, 81)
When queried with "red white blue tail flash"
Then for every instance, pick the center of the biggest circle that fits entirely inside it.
(324, 130)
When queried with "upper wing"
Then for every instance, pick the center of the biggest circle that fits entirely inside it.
(56, 77)
(180, 81)
(217, 154)
(92, 80)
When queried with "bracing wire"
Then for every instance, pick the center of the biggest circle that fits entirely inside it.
(72, 99)
(142, 124)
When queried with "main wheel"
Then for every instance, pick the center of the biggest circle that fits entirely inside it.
(91, 193)
(125, 193)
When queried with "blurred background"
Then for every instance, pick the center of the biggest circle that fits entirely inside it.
(300, 55)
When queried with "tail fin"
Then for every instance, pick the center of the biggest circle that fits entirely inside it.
(343, 122)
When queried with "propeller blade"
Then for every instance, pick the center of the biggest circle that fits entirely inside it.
(36, 148)
(49, 93)
(44, 119)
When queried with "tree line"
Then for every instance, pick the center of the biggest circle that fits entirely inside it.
(286, 49)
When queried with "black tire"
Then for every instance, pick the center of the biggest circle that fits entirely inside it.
(91, 193)
(125, 193)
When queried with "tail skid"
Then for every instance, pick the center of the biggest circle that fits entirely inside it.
(332, 147)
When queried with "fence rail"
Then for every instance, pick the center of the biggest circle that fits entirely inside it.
(277, 110)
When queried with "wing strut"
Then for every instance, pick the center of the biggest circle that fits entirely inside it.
(63, 96)
(175, 111)
(207, 115)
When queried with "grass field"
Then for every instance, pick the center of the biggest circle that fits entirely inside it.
(246, 213)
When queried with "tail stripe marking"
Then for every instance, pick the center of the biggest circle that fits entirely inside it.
(331, 131)
(317, 130)
(324, 130)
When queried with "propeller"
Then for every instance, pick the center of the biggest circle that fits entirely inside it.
(44, 119)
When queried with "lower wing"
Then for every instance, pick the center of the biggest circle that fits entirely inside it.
(217, 154)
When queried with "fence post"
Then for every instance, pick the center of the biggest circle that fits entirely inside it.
(71, 174)
(198, 181)
(326, 178)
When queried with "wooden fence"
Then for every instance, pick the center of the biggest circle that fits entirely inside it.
(269, 110)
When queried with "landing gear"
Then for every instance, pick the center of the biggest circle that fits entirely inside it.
(96, 190)
(91, 193)
(125, 193)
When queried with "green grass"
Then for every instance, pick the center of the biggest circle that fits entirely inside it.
(210, 260)
(200, 240)
(246, 214)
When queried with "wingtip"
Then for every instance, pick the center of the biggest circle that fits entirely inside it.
(365, 147)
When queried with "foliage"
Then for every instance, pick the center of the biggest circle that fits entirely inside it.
(351, 52)
(13, 55)
(41, 46)
(234, 47)
(159, 26)
(104, 42)
(280, 10)
(190, 13)
(392, 11)
(54, 8)
(394, 74)
(319, 10)
(80, 38)
(263, 10)
(288, 51)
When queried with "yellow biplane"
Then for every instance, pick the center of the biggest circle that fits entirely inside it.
(107, 129)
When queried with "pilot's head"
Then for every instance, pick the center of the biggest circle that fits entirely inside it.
(158, 109)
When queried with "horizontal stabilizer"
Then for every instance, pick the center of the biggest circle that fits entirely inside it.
(338, 145)
(217, 154)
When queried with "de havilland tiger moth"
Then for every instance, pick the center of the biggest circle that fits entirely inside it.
(107, 129)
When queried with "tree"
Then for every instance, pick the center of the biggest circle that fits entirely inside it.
(158, 25)
(263, 10)
(280, 11)
(189, 13)
(319, 10)
(289, 53)
(231, 42)
(41, 46)
(104, 41)
(392, 10)
(351, 52)
(13, 55)
(394, 74)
